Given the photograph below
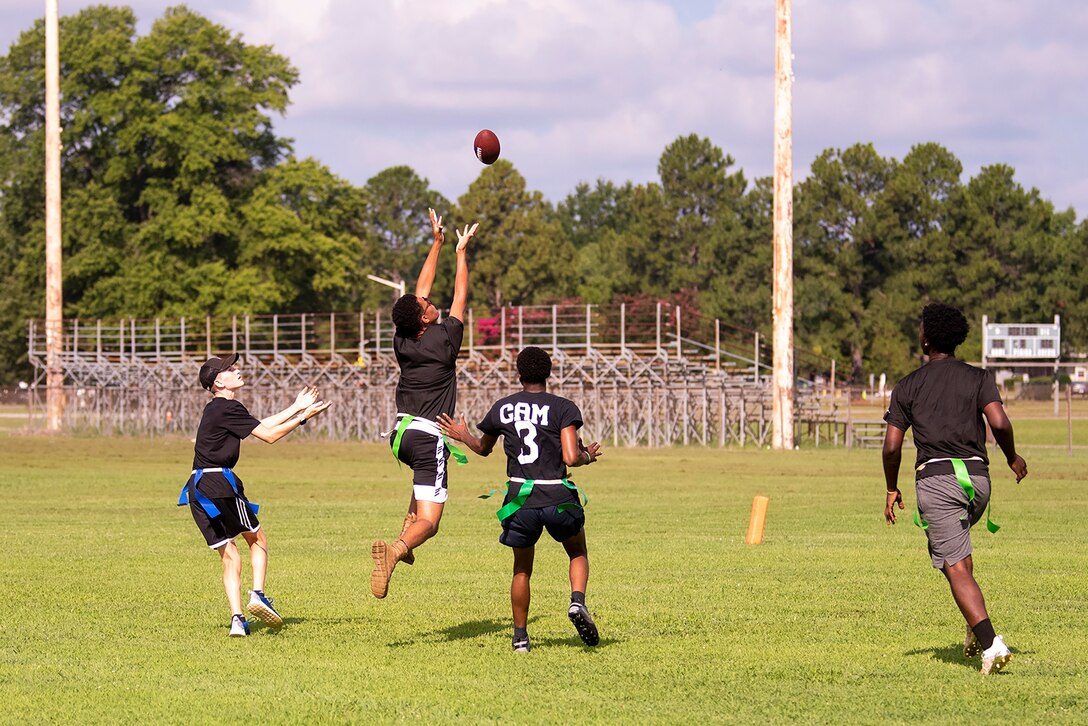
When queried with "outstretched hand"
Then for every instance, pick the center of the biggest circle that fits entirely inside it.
(436, 226)
(457, 430)
(894, 498)
(464, 236)
(594, 450)
(306, 397)
(315, 408)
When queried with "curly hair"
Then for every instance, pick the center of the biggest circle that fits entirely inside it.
(407, 316)
(534, 365)
(944, 326)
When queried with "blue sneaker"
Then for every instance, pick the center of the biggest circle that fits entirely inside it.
(239, 628)
(261, 608)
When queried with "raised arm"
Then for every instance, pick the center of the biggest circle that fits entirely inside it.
(892, 455)
(460, 283)
(458, 430)
(1002, 428)
(273, 428)
(426, 275)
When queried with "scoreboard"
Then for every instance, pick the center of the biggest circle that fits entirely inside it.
(1022, 341)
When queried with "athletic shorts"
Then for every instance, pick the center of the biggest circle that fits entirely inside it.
(426, 454)
(943, 503)
(234, 518)
(523, 528)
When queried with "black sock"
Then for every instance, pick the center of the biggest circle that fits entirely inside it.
(520, 634)
(578, 597)
(238, 615)
(984, 632)
(259, 592)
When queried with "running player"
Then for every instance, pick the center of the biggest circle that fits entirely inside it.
(540, 437)
(215, 494)
(426, 351)
(946, 402)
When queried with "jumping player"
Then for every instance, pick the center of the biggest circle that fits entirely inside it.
(945, 401)
(540, 437)
(215, 494)
(426, 351)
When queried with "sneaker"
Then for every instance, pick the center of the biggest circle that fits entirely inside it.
(996, 657)
(583, 623)
(971, 646)
(261, 608)
(239, 628)
(385, 558)
(522, 646)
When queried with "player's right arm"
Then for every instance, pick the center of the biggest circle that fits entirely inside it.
(574, 453)
(270, 433)
(430, 265)
(892, 454)
(1002, 428)
(458, 430)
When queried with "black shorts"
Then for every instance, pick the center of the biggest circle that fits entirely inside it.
(427, 456)
(523, 527)
(234, 518)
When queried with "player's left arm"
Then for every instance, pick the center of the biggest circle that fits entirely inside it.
(460, 281)
(892, 454)
(458, 430)
(574, 453)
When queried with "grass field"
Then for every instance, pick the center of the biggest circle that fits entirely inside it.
(112, 609)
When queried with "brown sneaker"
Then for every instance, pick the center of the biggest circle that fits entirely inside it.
(409, 520)
(385, 558)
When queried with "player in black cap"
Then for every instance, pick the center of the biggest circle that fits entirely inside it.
(426, 350)
(540, 437)
(215, 495)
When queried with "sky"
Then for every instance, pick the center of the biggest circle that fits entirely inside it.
(578, 90)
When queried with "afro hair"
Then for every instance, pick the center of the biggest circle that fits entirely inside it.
(534, 365)
(407, 316)
(944, 326)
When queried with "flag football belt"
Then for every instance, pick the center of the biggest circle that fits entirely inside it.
(963, 469)
(415, 423)
(207, 504)
(525, 488)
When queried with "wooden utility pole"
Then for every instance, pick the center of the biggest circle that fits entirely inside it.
(782, 384)
(54, 381)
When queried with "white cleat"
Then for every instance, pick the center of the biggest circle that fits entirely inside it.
(996, 657)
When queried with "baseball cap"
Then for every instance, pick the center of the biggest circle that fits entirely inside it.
(213, 367)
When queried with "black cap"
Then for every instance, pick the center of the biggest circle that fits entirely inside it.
(213, 367)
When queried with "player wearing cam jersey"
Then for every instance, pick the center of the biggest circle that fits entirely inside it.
(426, 351)
(215, 494)
(540, 438)
(945, 402)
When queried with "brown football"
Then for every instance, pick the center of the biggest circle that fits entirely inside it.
(486, 146)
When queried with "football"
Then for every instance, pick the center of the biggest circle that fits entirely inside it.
(486, 146)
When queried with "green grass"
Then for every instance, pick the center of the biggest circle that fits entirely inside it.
(112, 607)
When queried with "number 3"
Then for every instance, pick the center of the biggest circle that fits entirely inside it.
(528, 440)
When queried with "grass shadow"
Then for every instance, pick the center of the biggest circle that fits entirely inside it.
(953, 654)
(463, 631)
(572, 642)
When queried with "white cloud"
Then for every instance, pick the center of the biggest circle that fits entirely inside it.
(581, 89)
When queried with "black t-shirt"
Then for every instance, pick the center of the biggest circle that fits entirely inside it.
(943, 400)
(218, 441)
(530, 425)
(428, 370)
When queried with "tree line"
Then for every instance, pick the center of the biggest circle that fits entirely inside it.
(181, 200)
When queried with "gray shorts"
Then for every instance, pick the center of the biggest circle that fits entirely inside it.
(943, 503)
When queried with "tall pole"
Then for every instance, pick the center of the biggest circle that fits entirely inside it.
(782, 384)
(54, 381)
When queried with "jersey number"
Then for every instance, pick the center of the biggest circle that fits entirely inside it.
(530, 450)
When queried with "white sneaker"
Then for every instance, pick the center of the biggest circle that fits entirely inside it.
(996, 657)
(971, 646)
(239, 628)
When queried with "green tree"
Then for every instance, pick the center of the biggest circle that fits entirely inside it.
(520, 255)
